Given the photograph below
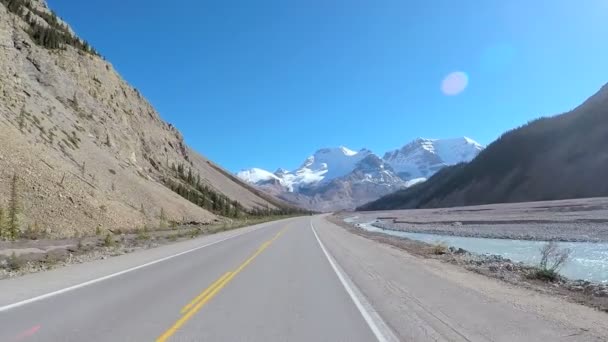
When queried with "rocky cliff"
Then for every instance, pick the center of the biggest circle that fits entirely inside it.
(87, 148)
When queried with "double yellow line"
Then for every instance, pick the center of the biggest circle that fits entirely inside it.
(204, 297)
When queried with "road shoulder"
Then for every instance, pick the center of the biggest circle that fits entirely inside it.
(424, 299)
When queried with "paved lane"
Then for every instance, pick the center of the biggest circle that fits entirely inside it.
(270, 284)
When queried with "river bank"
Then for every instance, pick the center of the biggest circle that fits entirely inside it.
(517, 273)
(580, 220)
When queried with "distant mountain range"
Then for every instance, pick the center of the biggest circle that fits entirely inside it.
(340, 178)
(560, 157)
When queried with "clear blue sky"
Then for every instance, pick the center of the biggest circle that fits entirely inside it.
(266, 83)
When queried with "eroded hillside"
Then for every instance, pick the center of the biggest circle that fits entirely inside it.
(88, 150)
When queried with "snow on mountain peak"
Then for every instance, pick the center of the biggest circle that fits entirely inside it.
(423, 157)
(362, 175)
(255, 175)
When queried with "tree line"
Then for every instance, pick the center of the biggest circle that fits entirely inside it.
(190, 187)
(54, 35)
(9, 219)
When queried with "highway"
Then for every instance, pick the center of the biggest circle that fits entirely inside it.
(300, 279)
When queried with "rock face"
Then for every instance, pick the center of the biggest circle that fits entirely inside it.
(551, 158)
(339, 178)
(87, 148)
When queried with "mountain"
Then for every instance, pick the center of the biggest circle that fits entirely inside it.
(552, 158)
(340, 178)
(88, 150)
(423, 157)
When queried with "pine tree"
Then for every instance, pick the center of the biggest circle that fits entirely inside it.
(21, 119)
(163, 219)
(2, 224)
(13, 211)
(190, 177)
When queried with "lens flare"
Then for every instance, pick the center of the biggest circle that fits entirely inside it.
(454, 83)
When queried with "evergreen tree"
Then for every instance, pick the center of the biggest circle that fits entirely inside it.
(13, 211)
(21, 119)
(2, 224)
(190, 179)
(163, 219)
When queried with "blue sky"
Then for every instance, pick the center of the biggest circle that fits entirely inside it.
(266, 83)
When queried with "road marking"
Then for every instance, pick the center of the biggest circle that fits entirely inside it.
(380, 329)
(205, 293)
(197, 304)
(109, 276)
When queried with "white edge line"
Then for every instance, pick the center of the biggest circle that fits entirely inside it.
(380, 329)
(97, 280)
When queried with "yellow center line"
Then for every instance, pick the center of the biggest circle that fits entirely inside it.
(197, 303)
(205, 293)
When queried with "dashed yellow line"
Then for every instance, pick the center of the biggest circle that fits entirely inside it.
(197, 303)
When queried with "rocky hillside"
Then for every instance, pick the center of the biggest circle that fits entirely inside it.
(86, 148)
(554, 158)
(339, 178)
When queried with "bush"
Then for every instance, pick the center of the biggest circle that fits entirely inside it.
(552, 258)
(142, 234)
(14, 263)
(108, 241)
(439, 248)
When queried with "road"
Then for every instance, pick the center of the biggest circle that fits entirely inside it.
(300, 279)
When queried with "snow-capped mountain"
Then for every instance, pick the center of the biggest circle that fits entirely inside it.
(257, 176)
(340, 178)
(323, 166)
(423, 157)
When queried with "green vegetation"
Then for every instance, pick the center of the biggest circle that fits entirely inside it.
(14, 209)
(14, 263)
(439, 248)
(162, 224)
(51, 33)
(552, 258)
(34, 232)
(190, 187)
(108, 241)
(143, 234)
(3, 224)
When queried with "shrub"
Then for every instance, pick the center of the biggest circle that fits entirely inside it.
(108, 241)
(15, 263)
(14, 209)
(552, 258)
(34, 232)
(142, 234)
(439, 248)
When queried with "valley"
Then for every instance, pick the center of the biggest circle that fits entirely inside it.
(115, 225)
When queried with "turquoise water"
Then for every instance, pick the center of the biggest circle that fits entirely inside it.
(588, 261)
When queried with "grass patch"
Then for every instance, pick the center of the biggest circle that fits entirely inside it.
(544, 275)
(15, 263)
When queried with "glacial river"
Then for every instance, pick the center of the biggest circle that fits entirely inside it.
(588, 261)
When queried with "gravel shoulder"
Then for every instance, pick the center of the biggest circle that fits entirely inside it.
(426, 298)
(590, 294)
(21, 257)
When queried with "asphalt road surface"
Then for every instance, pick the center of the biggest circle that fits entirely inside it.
(300, 279)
